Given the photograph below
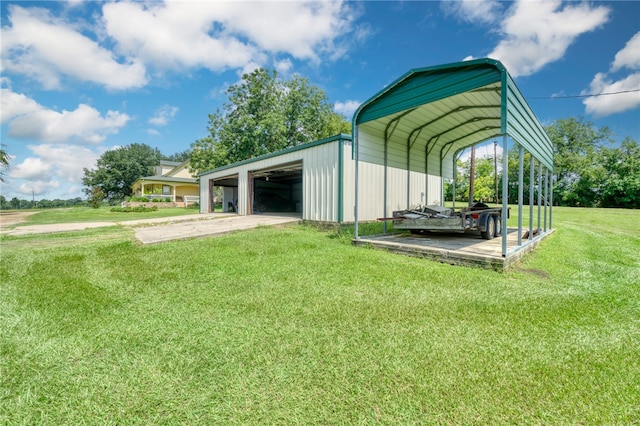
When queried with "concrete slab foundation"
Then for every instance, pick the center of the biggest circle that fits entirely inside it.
(458, 249)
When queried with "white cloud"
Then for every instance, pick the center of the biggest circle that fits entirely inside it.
(29, 120)
(52, 167)
(601, 106)
(68, 160)
(31, 168)
(629, 56)
(537, 33)
(16, 104)
(347, 107)
(38, 187)
(116, 49)
(153, 132)
(284, 66)
(163, 115)
(43, 47)
(223, 35)
(474, 11)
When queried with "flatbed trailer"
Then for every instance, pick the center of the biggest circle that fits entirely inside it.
(480, 217)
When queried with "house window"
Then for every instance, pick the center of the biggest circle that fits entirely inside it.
(166, 190)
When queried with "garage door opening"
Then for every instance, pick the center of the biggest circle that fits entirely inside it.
(277, 189)
(223, 193)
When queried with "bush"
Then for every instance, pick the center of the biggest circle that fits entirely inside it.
(138, 209)
(138, 199)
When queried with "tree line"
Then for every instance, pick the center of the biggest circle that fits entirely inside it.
(16, 204)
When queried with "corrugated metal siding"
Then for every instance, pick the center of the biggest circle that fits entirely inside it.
(319, 180)
(320, 183)
(523, 126)
(205, 201)
(371, 191)
(426, 85)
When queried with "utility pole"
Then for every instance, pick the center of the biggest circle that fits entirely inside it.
(472, 174)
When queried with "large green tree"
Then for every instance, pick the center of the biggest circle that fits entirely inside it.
(264, 114)
(118, 169)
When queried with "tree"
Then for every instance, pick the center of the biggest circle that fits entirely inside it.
(621, 188)
(576, 143)
(96, 197)
(4, 163)
(179, 157)
(118, 169)
(483, 182)
(265, 114)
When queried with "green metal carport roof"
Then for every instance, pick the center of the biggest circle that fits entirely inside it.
(421, 122)
(441, 110)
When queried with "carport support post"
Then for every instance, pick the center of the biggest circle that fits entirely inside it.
(355, 207)
(505, 192)
(453, 190)
(531, 181)
(384, 223)
(546, 196)
(551, 201)
(539, 195)
(520, 194)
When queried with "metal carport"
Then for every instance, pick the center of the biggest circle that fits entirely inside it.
(421, 122)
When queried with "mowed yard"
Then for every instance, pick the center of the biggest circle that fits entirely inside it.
(295, 325)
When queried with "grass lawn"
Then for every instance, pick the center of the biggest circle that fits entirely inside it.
(102, 214)
(296, 326)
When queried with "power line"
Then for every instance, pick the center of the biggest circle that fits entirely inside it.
(584, 96)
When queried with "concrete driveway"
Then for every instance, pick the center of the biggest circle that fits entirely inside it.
(149, 231)
(215, 225)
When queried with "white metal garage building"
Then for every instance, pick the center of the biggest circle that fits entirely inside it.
(316, 181)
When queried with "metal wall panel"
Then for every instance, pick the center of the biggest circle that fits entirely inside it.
(319, 180)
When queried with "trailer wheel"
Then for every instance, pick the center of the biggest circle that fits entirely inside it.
(498, 221)
(490, 229)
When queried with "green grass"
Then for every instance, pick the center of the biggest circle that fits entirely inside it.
(102, 214)
(296, 326)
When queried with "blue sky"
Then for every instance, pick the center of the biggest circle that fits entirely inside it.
(79, 78)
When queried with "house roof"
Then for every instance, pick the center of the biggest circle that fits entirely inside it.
(438, 111)
(167, 179)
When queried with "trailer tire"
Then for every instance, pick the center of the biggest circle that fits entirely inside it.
(498, 221)
(490, 229)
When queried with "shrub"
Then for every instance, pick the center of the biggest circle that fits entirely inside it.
(138, 209)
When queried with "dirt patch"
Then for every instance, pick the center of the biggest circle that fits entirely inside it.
(9, 219)
(537, 272)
